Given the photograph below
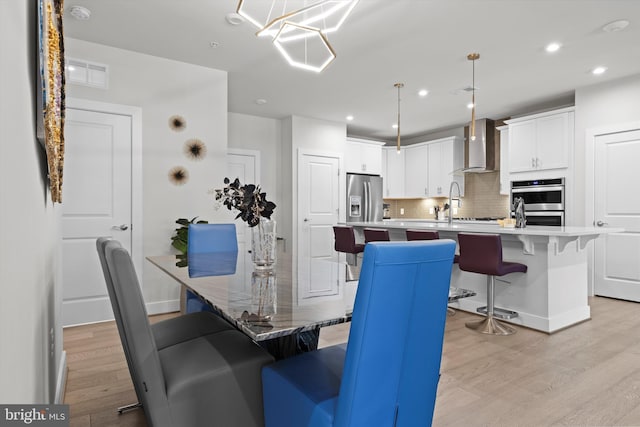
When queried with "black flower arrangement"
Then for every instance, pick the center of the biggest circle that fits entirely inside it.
(247, 199)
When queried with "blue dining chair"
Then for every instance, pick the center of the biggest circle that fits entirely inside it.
(388, 372)
(208, 239)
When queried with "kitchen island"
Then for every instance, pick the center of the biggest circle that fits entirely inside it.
(550, 296)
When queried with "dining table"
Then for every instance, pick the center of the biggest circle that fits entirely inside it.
(264, 303)
(261, 302)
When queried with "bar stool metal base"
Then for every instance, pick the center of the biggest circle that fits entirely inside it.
(500, 313)
(489, 325)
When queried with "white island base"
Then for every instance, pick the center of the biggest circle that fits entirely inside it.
(550, 296)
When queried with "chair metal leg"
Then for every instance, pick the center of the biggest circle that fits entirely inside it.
(490, 325)
(129, 407)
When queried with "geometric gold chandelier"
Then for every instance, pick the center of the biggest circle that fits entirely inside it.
(299, 28)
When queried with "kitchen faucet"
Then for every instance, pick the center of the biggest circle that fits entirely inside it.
(451, 200)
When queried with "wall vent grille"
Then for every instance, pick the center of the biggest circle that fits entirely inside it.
(87, 73)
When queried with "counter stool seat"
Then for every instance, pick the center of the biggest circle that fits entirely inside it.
(345, 242)
(482, 253)
(421, 235)
(375, 235)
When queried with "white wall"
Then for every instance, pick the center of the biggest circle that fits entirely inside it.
(310, 134)
(163, 88)
(29, 225)
(601, 105)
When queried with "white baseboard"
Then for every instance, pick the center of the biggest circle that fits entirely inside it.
(161, 307)
(61, 379)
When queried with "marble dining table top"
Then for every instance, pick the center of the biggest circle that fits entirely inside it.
(237, 291)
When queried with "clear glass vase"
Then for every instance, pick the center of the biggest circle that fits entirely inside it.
(263, 295)
(263, 244)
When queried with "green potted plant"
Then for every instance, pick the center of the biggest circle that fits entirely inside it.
(181, 238)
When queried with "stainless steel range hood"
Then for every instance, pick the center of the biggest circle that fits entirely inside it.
(480, 155)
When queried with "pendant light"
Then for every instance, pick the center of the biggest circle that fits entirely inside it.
(473, 57)
(399, 86)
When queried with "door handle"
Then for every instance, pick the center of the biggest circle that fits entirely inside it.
(600, 223)
(306, 220)
(122, 227)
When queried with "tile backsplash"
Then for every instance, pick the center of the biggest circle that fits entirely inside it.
(482, 198)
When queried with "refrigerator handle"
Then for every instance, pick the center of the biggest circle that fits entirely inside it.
(368, 200)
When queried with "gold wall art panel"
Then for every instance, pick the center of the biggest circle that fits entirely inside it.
(52, 78)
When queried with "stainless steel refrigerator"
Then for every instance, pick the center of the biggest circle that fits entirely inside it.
(364, 198)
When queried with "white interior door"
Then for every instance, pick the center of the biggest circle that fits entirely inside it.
(242, 164)
(96, 202)
(318, 207)
(617, 204)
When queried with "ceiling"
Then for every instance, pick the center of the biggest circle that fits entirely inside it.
(422, 43)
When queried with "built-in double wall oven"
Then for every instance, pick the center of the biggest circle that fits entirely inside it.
(543, 200)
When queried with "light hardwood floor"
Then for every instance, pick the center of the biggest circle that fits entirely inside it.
(587, 375)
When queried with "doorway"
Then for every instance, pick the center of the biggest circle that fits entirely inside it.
(101, 197)
(318, 209)
(615, 203)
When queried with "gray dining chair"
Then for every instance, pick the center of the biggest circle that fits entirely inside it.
(192, 370)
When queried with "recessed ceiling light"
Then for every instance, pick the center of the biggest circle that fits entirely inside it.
(350, 118)
(261, 101)
(470, 105)
(599, 70)
(80, 13)
(614, 26)
(423, 92)
(395, 126)
(234, 18)
(552, 47)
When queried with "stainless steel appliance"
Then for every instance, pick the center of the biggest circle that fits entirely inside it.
(364, 198)
(543, 200)
(386, 211)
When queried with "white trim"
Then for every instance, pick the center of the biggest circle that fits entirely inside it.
(589, 176)
(161, 307)
(538, 115)
(366, 141)
(136, 169)
(61, 380)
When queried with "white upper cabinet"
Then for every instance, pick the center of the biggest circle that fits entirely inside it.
(505, 184)
(362, 156)
(541, 141)
(416, 175)
(446, 158)
(425, 169)
(393, 173)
